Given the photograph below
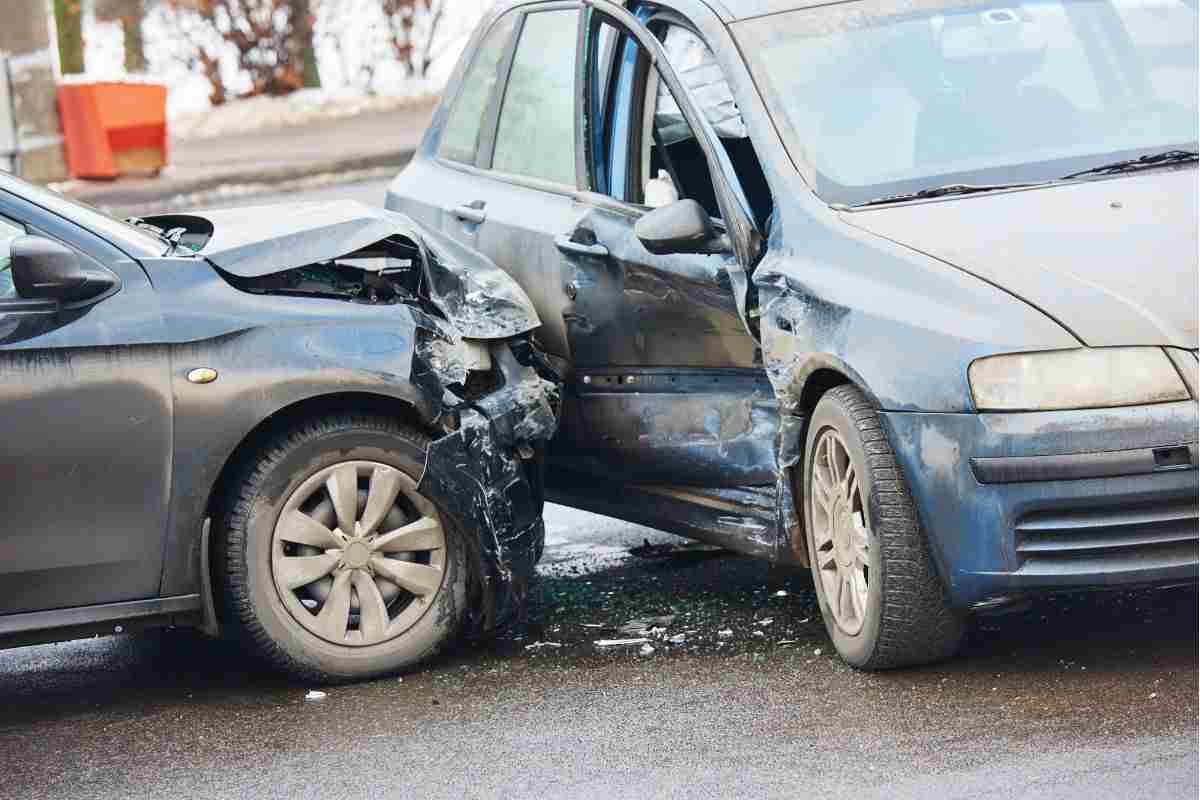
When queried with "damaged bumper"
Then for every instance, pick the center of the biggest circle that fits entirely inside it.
(486, 474)
(1015, 503)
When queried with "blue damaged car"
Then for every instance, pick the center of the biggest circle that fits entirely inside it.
(900, 290)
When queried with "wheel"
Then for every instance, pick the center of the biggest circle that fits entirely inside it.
(880, 596)
(334, 566)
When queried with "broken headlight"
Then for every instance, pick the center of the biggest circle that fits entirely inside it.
(1071, 379)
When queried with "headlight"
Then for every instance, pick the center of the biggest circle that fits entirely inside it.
(1065, 379)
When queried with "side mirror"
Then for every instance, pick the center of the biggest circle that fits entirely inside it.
(43, 269)
(681, 227)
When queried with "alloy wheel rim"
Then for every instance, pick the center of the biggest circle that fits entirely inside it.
(841, 533)
(357, 555)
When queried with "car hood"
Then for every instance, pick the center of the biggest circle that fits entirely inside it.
(1113, 260)
(479, 298)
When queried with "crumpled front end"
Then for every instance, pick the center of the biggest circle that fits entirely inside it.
(478, 377)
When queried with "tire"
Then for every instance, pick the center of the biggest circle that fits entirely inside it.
(263, 543)
(897, 614)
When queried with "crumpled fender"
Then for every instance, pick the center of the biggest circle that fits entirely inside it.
(486, 475)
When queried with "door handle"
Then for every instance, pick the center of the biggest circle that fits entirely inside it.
(470, 213)
(565, 244)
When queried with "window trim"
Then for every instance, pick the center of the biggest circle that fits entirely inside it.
(523, 181)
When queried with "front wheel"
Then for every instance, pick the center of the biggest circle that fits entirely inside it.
(335, 566)
(880, 596)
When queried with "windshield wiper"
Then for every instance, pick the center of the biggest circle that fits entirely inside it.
(171, 237)
(942, 191)
(1132, 164)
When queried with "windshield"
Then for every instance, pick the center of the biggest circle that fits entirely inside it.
(883, 98)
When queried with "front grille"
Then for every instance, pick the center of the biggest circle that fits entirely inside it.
(1110, 538)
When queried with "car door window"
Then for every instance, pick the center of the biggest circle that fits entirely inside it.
(670, 140)
(536, 134)
(9, 231)
(651, 148)
(460, 141)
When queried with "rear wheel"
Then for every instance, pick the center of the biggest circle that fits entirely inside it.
(880, 596)
(335, 566)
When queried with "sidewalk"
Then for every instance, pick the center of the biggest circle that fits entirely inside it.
(376, 140)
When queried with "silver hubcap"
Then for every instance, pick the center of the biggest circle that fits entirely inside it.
(358, 556)
(841, 535)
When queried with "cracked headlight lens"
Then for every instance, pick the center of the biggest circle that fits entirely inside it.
(1070, 379)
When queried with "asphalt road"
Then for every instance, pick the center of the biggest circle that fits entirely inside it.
(1082, 696)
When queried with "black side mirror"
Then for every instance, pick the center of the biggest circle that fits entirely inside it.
(43, 269)
(681, 227)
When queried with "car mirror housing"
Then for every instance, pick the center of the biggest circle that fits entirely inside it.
(681, 227)
(43, 269)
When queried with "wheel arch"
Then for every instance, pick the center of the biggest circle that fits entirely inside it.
(821, 373)
(270, 426)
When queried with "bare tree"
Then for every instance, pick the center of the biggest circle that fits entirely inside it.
(129, 14)
(405, 19)
(302, 17)
(68, 21)
(263, 35)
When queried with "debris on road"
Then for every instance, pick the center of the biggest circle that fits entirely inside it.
(542, 645)
(671, 549)
(765, 622)
(647, 649)
(644, 625)
(315, 694)
(621, 642)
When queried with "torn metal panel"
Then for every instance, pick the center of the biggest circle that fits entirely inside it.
(479, 299)
(486, 474)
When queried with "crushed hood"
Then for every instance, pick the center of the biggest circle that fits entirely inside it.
(476, 296)
(1114, 261)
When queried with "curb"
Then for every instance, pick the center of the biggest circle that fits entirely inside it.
(110, 195)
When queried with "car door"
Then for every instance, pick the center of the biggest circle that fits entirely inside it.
(85, 419)
(668, 378)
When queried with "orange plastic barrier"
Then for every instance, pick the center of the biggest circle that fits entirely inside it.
(114, 128)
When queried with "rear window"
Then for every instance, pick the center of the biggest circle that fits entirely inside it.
(536, 137)
(460, 140)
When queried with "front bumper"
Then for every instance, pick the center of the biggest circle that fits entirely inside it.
(1014, 503)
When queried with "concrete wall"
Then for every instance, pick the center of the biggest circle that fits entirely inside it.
(25, 39)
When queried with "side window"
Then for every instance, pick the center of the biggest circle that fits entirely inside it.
(664, 161)
(673, 165)
(460, 140)
(536, 134)
(648, 145)
(8, 231)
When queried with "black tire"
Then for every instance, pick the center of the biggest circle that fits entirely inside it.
(906, 620)
(253, 608)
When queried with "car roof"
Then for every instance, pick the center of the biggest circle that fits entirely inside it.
(718, 7)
